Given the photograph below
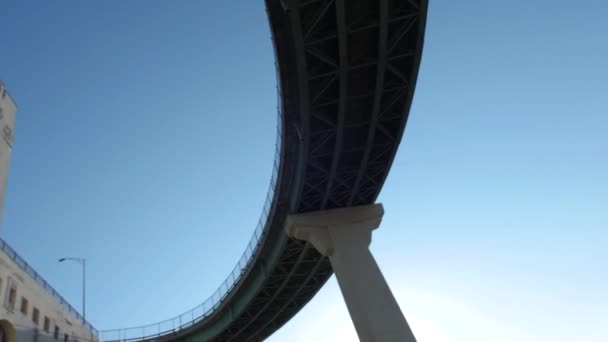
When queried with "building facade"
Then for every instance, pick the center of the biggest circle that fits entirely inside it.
(30, 309)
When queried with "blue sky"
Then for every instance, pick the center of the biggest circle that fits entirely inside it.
(145, 137)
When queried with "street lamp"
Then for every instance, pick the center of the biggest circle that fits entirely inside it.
(81, 261)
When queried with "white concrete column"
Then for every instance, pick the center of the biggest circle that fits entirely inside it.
(344, 236)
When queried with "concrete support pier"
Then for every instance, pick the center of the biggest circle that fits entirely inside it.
(344, 236)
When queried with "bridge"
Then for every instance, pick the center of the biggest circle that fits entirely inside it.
(346, 74)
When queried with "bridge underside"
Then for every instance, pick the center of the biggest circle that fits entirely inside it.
(347, 71)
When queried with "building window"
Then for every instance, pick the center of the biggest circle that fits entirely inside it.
(35, 315)
(11, 297)
(66, 338)
(47, 325)
(24, 305)
(8, 135)
(56, 334)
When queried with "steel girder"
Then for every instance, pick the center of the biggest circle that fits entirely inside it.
(347, 71)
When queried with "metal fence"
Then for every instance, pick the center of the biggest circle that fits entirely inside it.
(44, 284)
(209, 306)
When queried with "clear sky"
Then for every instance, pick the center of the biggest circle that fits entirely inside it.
(145, 139)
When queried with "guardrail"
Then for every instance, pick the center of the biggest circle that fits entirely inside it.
(8, 250)
(209, 306)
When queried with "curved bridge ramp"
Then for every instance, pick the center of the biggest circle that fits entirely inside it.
(346, 73)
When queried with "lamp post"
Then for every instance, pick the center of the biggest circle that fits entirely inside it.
(81, 261)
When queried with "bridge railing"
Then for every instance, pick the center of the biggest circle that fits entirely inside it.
(10, 252)
(209, 306)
